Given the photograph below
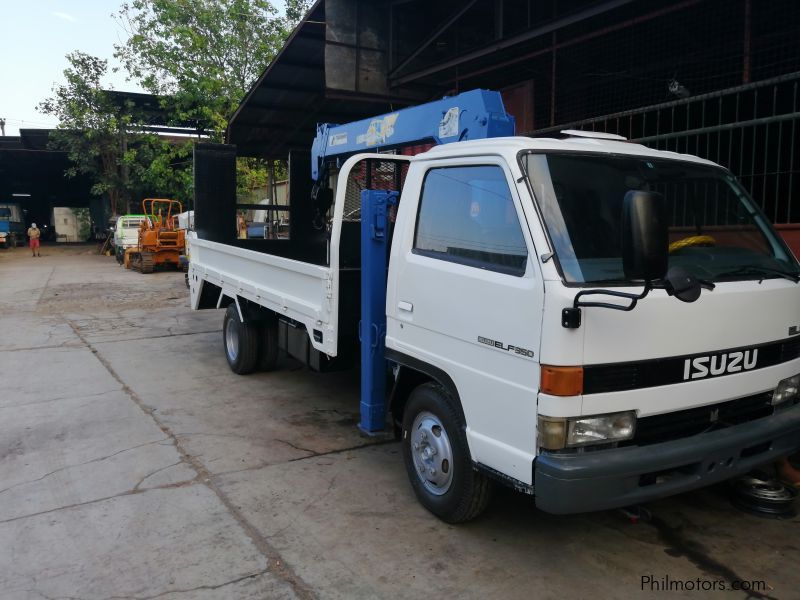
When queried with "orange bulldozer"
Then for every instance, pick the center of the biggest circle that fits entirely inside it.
(161, 242)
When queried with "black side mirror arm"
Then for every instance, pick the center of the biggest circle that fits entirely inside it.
(571, 317)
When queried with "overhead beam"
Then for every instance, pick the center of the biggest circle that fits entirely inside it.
(268, 127)
(444, 26)
(553, 25)
(327, 114)
(577, 40)
(305, 89)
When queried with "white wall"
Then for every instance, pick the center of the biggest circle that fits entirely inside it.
(67, 224)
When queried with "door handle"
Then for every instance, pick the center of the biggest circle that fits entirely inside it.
(406, 306)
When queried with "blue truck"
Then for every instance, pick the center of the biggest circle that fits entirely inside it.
(12, 225)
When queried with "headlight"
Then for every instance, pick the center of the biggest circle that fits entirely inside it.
(786, 391)
(557, 433)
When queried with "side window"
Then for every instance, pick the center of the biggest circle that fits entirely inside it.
(467, 215)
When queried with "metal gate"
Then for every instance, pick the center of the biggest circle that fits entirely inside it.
(751, 129)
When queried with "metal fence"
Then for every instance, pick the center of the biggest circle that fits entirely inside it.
(751, 129)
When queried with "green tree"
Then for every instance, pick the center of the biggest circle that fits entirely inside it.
(92, 129)
(200, 57)
(162, 168)
(202, 54)
(295, 10)
(84, 221)
(103, 139)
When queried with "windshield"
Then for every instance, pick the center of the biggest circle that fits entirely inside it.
(9, 212)
(131, 223)
(716, 232)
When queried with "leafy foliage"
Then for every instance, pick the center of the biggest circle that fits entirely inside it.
(200, 57)
(101, 137)
(295, 10)
(204, 54)
(84, 221)
(92, 128)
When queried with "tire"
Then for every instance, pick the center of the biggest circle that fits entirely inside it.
(268, 350)
(453, 491)
(240, 342)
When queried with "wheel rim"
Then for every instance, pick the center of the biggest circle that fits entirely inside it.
(432, 453)
(231, 340)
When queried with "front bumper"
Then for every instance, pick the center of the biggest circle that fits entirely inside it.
(573, 483)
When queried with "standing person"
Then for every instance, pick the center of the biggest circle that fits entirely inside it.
(34, 234)
(241, 226)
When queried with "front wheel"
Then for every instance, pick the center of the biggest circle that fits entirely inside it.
(437, 457)
(240, 341)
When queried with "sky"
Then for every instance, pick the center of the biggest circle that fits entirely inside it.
(36, 36)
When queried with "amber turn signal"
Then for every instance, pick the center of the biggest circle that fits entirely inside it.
(561, 381)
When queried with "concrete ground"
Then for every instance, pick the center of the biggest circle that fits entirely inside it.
(135, 464)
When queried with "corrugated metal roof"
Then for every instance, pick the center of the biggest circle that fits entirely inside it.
(282, 109)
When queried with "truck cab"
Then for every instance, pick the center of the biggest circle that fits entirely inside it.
(126, 233)
(494, 239)
(12, 225)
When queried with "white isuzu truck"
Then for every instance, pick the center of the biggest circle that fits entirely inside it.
(588, 320)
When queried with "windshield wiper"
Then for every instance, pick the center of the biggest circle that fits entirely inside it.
(763, 271)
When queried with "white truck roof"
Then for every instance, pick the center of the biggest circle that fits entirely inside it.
(516, 144)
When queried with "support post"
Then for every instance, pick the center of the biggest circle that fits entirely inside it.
(372, 327)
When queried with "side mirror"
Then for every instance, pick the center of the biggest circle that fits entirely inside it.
(645, 240)
(682, 284)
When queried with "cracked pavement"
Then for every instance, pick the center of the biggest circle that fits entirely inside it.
(134, 464)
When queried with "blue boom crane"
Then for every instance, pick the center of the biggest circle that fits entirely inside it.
(473, 115)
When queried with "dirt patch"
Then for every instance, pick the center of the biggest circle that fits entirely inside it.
(76, 278)
(158, 291)
(51, 249)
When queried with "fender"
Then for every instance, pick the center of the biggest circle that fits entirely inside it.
(434, 373)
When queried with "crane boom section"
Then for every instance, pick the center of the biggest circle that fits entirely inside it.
(472, 115)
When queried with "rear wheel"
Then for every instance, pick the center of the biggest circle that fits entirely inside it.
(240, 341)
(268, 352)
(437, 457)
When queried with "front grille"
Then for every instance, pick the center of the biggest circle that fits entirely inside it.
(790, 349)
(618, 377)
(692, 421)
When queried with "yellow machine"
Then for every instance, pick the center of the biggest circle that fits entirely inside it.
(161, 242)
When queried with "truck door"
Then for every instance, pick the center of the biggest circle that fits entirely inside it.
(465, 296)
